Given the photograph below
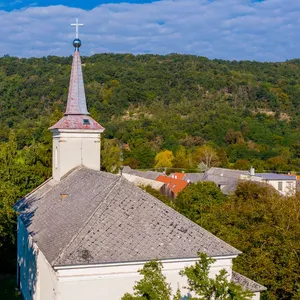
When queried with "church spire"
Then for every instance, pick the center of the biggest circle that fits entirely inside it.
(77, 115)
(76, 136)
(76, 98)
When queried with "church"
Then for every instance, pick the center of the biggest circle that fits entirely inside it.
(84, 233)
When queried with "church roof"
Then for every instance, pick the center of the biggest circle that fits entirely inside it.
(76, 97)
(94, 217)
(77, 115)
(77, 122)
(247, 283)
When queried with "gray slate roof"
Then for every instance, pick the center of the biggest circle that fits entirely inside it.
(145, 174)
(247, 283)
(273, 176)
(97, 217)
(227, 178)
(224, 173)
(193, 177)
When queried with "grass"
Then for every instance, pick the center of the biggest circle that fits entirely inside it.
(8, 288)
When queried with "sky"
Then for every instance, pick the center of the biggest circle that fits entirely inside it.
(263, 30)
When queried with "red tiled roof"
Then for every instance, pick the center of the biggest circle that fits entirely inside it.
(175, 185)
(178, 175)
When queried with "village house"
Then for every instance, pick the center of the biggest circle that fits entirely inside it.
(227, 180)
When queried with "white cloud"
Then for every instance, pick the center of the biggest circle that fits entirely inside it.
(228, 29)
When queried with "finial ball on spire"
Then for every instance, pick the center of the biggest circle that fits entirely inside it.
(77, 43)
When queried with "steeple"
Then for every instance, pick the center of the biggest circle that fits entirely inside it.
(76, 115)
(76, 136)
(76, 98)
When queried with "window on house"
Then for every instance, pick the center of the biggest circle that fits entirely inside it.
(86, 122)
(279, 185)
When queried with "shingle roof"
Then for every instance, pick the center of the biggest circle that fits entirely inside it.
(97, 217)
(145, 174)
(273, 176)
(227, 178)
(77, 122)
(174, 184)
(247, 283)
(226, 173)
(193, 177)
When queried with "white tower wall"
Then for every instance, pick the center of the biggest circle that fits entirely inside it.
(73, 148)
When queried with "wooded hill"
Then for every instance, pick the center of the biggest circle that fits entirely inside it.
(246, 111)
(241, 113)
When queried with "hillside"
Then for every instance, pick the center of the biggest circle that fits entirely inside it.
(247, 111)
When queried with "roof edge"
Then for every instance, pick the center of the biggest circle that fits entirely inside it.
(247, 283)
(133, 262)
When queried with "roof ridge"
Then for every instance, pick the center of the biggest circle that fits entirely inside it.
(226, 169)
(111, 186)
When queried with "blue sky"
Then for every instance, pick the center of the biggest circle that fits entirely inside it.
(264, 30)
(88, 4)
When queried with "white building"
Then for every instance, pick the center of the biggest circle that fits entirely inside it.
(227, 180)
(284, 184)
(83, 234)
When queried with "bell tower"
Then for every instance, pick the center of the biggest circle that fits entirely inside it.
(76, 136)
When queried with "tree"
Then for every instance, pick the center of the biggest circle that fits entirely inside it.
(153, 286)
(207, 155)
(206, 288)
(111, 155)
(182, 159)
(265, 226)
(164, 159)
(195, 199)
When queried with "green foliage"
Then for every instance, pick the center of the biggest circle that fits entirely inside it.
(8, 288)
(265, 227)
(164, 159)
(152, 286)
(206, 288)
(197, 198)
(158, 195)
(111, 155)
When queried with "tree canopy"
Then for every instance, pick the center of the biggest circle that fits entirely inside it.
(262, 224)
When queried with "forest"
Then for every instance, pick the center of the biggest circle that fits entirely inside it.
(243, 113)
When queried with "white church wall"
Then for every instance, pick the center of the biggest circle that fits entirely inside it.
(47, 282)
(75, 148)
(114, 280)
(37, 278)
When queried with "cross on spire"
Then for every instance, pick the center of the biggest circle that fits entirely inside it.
(77, 25)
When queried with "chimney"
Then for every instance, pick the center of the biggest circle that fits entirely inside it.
(252, 171)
